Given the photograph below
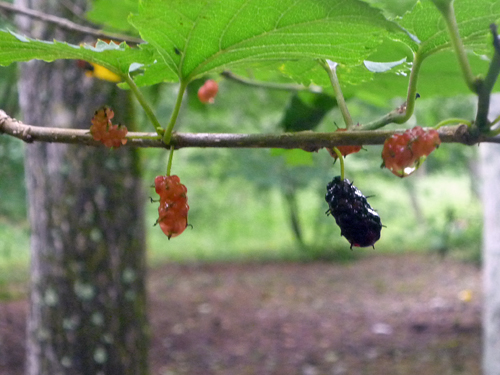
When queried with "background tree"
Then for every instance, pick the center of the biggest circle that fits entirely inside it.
(87, 313)
(490, 161)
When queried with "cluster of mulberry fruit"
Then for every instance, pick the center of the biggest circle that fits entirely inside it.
(173, 208)
(358, 222)
(208, 91)
(403, 153)
(104, 131)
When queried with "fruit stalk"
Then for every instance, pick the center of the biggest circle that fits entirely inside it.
(170, 158)
(341, 160)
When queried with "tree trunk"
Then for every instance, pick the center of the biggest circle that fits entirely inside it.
(87, 303)
(490, 161)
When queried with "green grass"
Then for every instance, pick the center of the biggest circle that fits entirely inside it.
(14, 260)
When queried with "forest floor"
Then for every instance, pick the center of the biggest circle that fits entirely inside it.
(380, 314)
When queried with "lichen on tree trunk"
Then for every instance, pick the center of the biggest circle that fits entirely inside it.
(87, 305)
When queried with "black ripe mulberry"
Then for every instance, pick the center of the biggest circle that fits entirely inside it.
(358, 222)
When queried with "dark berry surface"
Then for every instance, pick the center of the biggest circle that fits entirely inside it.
(358, 222)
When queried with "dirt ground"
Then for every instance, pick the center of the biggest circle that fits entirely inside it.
(384, 314)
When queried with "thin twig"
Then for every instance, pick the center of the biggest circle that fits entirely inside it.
(270, 85)
(306, 140)
(67, 24)
(485, 87)
(74, 9)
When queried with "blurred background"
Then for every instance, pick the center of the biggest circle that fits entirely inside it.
(260, 204)
(262, 281)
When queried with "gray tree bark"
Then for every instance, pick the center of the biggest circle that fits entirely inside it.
(490, 162)
(87, 301)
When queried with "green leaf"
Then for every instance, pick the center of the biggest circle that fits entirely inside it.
(393, 8)
(305, 111)
(440, 75)
(113, 14)
(115, 57)
(155, 72)
(309, 72)
(428, 33)
(443, 5)
(197, 37)
(306, 72)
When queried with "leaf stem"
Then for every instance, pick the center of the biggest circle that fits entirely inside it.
(170, 158)
(382, 121)
(494, 133)
(331, 68)
(412, 89)
(173, 118)
(144, 104)
(448, 13)
(495, 121)
(454, 121)
(402, 114)
(341, 160)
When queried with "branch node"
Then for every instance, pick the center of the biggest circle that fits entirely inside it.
(465, 135)
(26, 135)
